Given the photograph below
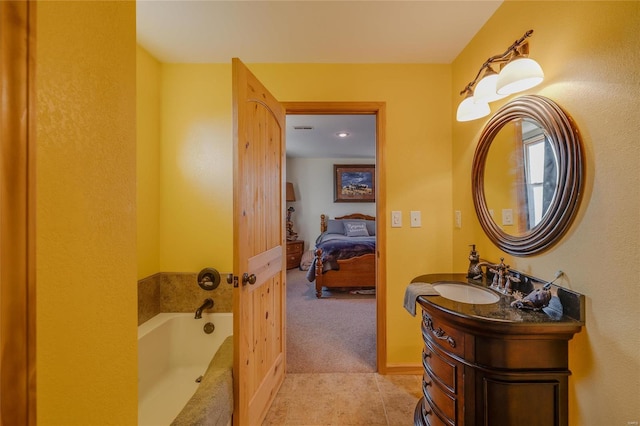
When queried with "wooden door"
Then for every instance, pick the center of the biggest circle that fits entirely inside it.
(259, 247)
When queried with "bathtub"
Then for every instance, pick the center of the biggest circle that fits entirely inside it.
(173, 352)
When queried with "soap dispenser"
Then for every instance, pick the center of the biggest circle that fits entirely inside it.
(474, 258)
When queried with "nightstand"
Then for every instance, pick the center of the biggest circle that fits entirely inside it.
(294, 253)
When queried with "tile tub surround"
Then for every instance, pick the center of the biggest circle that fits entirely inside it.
(148, 298)
(178, 292)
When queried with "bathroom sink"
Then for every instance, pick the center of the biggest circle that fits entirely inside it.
(465, 293)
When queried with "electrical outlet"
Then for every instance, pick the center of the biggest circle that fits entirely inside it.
(416, 220)
(396, 219)
(507, 216)
(458, 217)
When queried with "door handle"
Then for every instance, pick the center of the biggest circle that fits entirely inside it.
(246, 278)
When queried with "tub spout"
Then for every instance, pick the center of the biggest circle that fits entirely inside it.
(208, 303)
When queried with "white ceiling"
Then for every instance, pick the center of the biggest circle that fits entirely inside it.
(321, 140)
(328, 31)
(307, 31)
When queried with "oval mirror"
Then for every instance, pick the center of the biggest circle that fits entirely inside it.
(527, 175)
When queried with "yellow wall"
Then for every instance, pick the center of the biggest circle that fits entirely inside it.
(86, 214)
(197, 168)
(148, 163)
(589, 53)
(196, 212)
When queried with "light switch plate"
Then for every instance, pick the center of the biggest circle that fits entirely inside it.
(396, 219)
(458, 217)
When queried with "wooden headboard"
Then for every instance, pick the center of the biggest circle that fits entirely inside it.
(324, 219)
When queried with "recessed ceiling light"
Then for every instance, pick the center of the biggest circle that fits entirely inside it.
(342, 134)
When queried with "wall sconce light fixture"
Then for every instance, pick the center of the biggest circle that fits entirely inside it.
(518, 72)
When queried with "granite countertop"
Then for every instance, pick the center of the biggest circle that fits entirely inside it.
(566, 308)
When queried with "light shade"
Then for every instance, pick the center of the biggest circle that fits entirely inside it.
(485, 91)
(291, 195)
(518, 75)
(469, 110)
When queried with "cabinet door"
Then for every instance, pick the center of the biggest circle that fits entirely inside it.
(530, 401)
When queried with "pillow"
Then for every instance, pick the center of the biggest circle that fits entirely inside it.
(371, 227)
(356, 229)
(335, 227)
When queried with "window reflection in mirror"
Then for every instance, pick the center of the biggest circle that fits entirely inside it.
(541, 172)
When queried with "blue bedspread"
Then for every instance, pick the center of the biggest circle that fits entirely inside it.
(338, 247)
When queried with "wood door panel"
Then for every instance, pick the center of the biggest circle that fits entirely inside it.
(259, 352)
(265, 265)
(262, 177)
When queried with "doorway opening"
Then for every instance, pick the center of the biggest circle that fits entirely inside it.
(313, 180)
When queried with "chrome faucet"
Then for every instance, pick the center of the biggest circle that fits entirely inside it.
(208, 303)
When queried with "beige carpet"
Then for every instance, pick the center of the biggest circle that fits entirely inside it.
(330, 335)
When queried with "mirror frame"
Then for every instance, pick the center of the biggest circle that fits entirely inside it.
(565, 138)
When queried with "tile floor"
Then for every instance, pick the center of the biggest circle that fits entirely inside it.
(345, 399)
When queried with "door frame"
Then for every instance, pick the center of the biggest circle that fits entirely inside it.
(17, 210)
(379, 110)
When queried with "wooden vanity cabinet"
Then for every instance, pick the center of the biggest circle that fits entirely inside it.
(478, 373)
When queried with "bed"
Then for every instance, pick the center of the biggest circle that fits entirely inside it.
(345, 253)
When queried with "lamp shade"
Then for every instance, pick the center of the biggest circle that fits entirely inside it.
(518, 75)
(485, 91)
(469, 110)
(291, 195)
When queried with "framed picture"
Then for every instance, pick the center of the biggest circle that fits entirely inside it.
(354, 183)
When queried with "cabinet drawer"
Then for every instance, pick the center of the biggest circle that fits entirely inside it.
(442, 335)
(441, 368)
(294, 248)
(445, 402)
(293, 261)
(429, 416)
